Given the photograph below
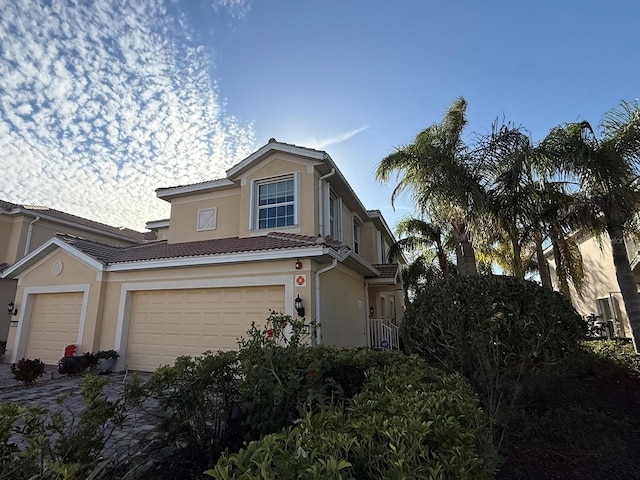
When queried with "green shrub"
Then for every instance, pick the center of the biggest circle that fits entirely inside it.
(27, 371)
(198, 397)
(107, 354)
(65, 444)
(496, 331)
(619, 355)
(275, 382)
(76, 365)
(409, 421)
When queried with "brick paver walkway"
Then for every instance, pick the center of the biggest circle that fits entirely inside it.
(139, 425)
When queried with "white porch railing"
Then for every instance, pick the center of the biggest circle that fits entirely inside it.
(383, 333)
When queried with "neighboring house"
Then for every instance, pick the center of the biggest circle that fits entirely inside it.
(601, 293)
(24, 228)
(283, 223)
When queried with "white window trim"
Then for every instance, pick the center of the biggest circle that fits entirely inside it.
(357, 238)
(253, 214)
(338, 221)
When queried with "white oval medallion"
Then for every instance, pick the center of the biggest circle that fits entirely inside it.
(57, 268)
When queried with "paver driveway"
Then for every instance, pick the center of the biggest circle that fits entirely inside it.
(138, 425)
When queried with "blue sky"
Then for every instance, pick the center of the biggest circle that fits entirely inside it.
(102, 102)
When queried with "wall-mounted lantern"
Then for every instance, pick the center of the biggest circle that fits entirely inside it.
(299, 306)
(11, 308)
(372, 311)
(298, 265)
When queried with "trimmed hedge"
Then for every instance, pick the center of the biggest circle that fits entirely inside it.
(409, 421)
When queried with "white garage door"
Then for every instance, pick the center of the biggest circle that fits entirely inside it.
(54, 324)
(166, 324)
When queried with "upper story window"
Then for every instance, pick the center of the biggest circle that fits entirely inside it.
(356, 235)
(335, 216)
(275, 203)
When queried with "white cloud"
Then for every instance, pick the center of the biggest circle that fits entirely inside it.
(323, 143)
(102, 102)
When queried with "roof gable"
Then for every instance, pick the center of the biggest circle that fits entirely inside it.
(43, 251)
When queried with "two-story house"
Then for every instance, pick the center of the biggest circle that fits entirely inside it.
(283, 225)
(601, 294)
(24, 228)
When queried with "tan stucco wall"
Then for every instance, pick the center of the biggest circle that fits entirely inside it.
(7, 294)
(14, 232)
(342, 308)
(375, 300)
(13, 245)
(600, 278)
(184, 216)
(6, 226)
(235, 273)
(370, 239)
(282, 164)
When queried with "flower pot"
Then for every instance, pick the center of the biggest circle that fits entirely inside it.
(106, 365)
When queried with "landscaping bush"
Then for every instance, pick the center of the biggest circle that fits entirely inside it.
(199, 398)
(284, 377)
(76, 365)
(215, 401)
(496, 331)
(27, 371)
(409, 421)
(61, 444)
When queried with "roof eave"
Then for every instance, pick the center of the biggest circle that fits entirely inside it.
(79, 226)
(259, 154)
(44, 250)
(218, 258)
(168, 193)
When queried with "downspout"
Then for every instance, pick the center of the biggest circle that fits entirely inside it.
(29, 232)
(366, 314)
(321, 201)
(318, 273)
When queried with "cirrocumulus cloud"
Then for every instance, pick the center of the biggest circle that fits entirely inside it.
(102, 102)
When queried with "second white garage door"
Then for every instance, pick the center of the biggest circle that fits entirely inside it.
(166, 324)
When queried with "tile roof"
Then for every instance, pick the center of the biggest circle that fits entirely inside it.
(160, 250)
(387, 270)
(173, 187)
(43, 210)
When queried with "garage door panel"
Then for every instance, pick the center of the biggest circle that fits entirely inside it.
(54, 323)
(166, 324)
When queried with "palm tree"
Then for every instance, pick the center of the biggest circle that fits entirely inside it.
(419, 236)
(436, 169)
(606, 172)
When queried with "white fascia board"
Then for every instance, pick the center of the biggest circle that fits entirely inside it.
(217, 259)
(274, 146)
(150, 225)
(357, 259)
(170, 192)
(44, 250)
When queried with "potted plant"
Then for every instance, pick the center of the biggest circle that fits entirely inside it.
(107, 360)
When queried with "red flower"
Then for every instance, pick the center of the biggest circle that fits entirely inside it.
(313, 373)
(269, 333)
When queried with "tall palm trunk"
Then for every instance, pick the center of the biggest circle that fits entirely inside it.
(543, 266)
(626, 282)
(442, 259)
(465, 254)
